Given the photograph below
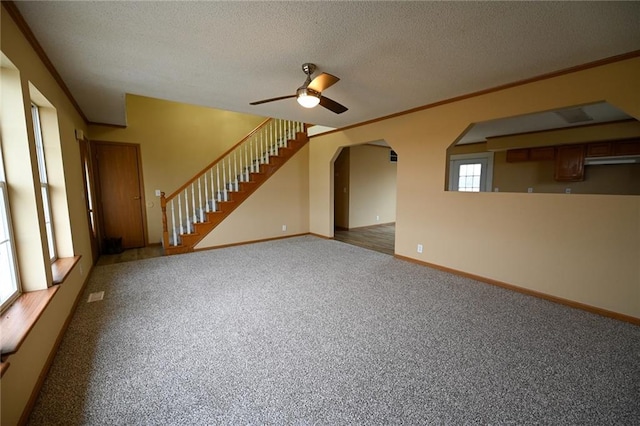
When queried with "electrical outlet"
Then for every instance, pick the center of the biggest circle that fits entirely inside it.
(284, 227)
(529, 190)
(567, 190)
(419, 248)
(377, 218)
(158, 192)
(496, 189)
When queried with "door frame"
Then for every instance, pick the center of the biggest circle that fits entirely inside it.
(486, 177)
(89, 184)
(143, 203)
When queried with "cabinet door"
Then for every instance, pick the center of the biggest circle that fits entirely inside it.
(516, 155)
(542, 154)
(601, 149)
(631, 147)
(570, 163)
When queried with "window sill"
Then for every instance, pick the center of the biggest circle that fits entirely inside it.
(61, 268)
(17, 321)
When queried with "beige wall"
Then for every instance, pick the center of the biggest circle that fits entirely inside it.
(28, 363)
(176, 141)
(372, 186)
(581, 247)
(283, 200)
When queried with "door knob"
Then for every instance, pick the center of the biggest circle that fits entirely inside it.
(136, 198)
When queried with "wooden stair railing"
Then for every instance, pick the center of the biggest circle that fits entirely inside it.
(205, 200)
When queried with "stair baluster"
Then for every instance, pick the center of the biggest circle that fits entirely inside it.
(263, 149)
(231, 188)
(193, 203)
(213, 199)
(270, 143)
(173, 225)
(246, 163)
(180, 213)
(200, 202)
(235, 171)
(186, 209)
(206, 194)
(218, 193)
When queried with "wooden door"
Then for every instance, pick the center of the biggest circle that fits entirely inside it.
(341, 190)
(121, 192)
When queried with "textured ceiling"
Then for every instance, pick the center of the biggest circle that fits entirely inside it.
(390, 56)
(600, 112)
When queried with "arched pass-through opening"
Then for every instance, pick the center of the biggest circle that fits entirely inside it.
(364, 196)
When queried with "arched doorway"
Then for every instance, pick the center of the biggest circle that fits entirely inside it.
(365, 196)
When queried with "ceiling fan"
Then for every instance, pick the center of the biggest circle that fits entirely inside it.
(310, 93)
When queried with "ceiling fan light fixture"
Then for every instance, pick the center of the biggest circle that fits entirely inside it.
(307, 98)
(309, 95)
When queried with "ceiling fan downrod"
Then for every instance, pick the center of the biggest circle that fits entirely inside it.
(308, 69)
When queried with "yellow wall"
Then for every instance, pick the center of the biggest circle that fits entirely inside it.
(27, 364)
(176, 141)
(581, 247)
(372, 186)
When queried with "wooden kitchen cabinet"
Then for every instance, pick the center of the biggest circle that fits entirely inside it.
(570, 163)
(628, 147)
(517, 155)
(600, 149)
(542, 154)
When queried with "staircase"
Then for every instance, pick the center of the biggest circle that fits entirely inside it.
(201, 204)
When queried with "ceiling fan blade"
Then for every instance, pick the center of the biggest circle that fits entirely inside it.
(322, 82)
(332, 105)
(264, 101)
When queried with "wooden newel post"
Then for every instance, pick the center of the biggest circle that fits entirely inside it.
(165, 230)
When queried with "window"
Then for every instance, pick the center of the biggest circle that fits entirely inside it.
(44, 184)
(471, 172)
(9, 284)
(469, 177)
